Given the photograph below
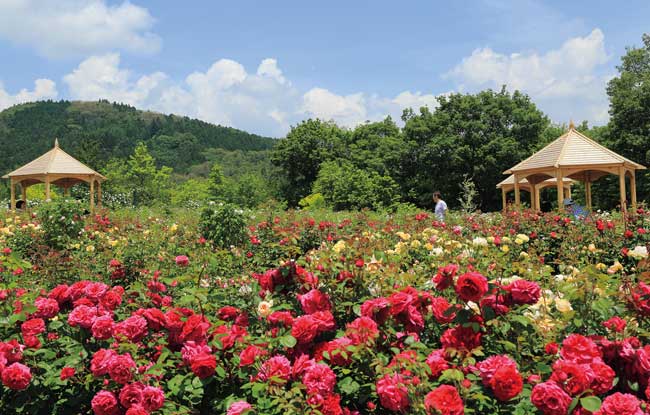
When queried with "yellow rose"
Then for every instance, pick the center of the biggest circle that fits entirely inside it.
(339, 246)
(562, 305)
(592, 248)
(173, 228)
(264, 308)
(90, 248)
(505, 248)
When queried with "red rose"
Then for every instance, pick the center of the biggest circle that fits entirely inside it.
(603, 380)
(204, 365)
(95, 290)
(393, 394)
(620, 404)
(377, 309)
(313, 301)
(437, 362)
(101, 361)
(573, 377)
(283, 318)
(506, 383)
(191, 349)
(133, 328)
(67, 372)
(16, 376)
(152, 398)
(102, 328)
(46, 307)
(105, 403)
(551, 348)
(489, 366)
(182, 260)
(121, 368)
(32, 327)
(580, 349)
(276, 370)
(445, 276)
(239, 408)
(442, 311)
(550, 399)
(362, 330)
(136, 410)
(195, 329)
(249, 354)
(335, 349)
(471, 286)
(304, 329)
(461, 338)
(319, 379)
(155, 318)
(444, 400)
(131, 394)
(640, 298)
(228, 313)
(615, 324)
(523, 292)
(82, 316)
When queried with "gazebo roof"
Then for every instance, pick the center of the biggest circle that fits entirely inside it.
(572, 149)
(54, 162)
(510, 181)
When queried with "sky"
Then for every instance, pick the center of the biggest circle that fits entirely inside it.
(263, 66)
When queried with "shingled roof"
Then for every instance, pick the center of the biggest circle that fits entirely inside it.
(55, 161)
(572, 149)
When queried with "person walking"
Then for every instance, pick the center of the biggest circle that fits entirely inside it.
(441, 206)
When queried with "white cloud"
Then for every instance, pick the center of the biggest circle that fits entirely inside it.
(61, 28)
(564, 81)
(43, 89)
(99, 77)
(263, 102)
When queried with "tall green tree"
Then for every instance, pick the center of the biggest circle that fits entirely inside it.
(477, 136)
(629, 125)
(140, 178)
(299, 156)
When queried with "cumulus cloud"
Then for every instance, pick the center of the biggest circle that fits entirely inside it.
(43, 89)
(100, 77)
(347, 110)
(63, 28)
(561, 80)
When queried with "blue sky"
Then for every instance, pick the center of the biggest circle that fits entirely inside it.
(264, 66)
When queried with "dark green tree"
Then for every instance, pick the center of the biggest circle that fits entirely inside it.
(299, 156)
(477, 136)
(629, 126)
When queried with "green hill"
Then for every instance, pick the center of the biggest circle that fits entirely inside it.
(95, 132)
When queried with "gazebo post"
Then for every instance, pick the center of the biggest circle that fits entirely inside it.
(538, 205)
(621, 184)
(533, 201)
(47, 188)
(23, 191)
(99, 194)
(92, 195)
(560, 189)
(588, 190)
(633, 188)
(66, 191)
(517, 193)
(13, 194)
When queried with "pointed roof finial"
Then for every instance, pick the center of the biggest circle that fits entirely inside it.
(571, 125)
(56, 143)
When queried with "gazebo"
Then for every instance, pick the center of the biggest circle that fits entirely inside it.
(574, 155)
(58, 168)
(508, 185)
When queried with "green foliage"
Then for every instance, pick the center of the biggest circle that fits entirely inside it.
(345, 186)
(190, 193)
(313, 201)
(223, 224)
(61, 221)
(300, 154)
(468, 194)
(140, 178)
(629, 126)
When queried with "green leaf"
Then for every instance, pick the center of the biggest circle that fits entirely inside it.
(288, 341)
(591, 403)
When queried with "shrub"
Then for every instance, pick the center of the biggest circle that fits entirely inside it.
(61, 221)
(313, 201)
(223, 224)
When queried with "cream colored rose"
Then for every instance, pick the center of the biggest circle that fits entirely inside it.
(264, 308)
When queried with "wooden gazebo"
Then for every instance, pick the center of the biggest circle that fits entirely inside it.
(508, 185)
(56, 167)
(574, 155)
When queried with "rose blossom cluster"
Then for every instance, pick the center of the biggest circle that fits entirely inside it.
(589, 366)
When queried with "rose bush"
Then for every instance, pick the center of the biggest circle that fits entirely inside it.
(342, 314)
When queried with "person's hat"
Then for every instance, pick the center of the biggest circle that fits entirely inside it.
(568, 202)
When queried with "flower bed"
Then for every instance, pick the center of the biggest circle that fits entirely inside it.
(328, 315)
